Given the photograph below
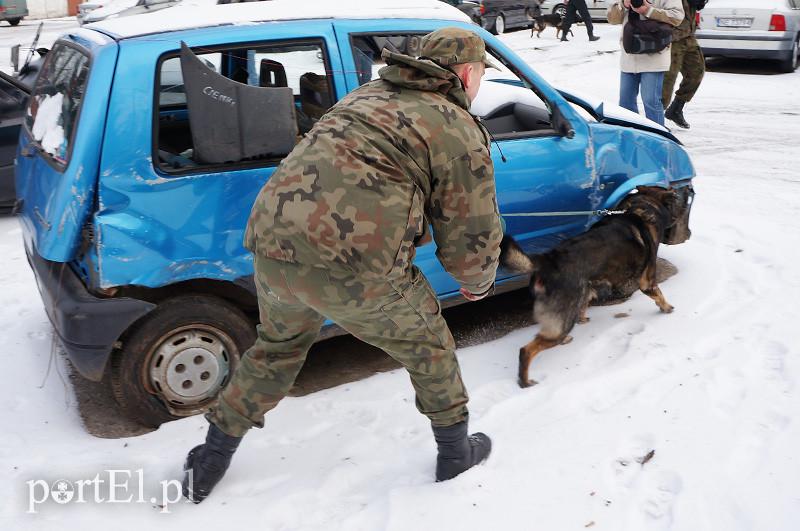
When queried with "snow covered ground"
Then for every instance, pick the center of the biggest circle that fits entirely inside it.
(712, 388)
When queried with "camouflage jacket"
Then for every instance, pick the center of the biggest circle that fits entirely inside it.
(689, 24)
(396, 154)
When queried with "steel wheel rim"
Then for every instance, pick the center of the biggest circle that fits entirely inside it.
(189, 366)
(500, 24)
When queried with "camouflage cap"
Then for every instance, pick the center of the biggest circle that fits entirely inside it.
(452, 46)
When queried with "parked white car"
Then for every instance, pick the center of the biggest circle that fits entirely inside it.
(597, 8)
(762, 29)
(96, 10)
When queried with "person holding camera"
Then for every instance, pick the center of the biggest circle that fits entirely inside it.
(687, 58)
(646, 37)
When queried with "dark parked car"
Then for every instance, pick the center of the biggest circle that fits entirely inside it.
(498, 16)
(14, 92)
(13, 98)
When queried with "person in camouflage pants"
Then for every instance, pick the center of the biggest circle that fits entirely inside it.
(688, 60)
(334, 234)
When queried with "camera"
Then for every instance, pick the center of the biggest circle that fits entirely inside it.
(637, 3)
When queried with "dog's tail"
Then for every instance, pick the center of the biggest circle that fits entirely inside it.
(513, 258)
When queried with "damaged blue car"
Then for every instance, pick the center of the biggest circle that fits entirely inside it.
(134, 198)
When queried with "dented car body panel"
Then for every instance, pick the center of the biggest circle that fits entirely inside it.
(121, 225)
(57, 198)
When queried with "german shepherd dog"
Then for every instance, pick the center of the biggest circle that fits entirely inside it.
(613, 258)
(539, 23)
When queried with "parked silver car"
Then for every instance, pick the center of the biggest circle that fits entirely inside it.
(597, 8)
(763, 29)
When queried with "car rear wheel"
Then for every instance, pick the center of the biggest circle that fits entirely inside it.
(560, 10)
(499, 25)
(14, 21)
(790, 65)
(176, 360)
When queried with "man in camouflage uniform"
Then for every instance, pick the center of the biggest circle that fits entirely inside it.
(333, 233)
(687, 58)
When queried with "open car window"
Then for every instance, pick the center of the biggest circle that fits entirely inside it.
(299, 67)
(367, 50)
(508, 107)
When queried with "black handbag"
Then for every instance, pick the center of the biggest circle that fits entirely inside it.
(645, 35)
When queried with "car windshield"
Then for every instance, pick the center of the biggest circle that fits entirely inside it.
(54, 106)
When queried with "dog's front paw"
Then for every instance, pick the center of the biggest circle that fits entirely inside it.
(667, 308)
(527, 383)
(583, 320)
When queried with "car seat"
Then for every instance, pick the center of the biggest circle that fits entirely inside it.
(315, 96)
(271, 74)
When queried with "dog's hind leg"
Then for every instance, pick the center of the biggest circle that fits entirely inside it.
(528, 352)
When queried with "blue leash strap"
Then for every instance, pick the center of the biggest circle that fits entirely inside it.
(601, 212)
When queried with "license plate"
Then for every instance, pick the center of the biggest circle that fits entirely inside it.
(734, 22)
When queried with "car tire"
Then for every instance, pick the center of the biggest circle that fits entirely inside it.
(790, 65)
(181, 354)
(560, 10)
(499, 25)
(14, 21)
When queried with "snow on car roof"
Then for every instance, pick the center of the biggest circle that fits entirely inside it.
(194, 14)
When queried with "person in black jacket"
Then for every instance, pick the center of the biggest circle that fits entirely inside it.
(574, 6)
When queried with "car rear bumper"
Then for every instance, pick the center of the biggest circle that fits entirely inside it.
(778, 55)
(766, 45)
(87, 326)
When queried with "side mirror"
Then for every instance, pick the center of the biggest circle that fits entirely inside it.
(562, 125)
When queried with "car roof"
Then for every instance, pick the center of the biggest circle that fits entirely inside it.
(197, 14)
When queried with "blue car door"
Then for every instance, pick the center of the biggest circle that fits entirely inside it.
(543, 171)
(194, 226)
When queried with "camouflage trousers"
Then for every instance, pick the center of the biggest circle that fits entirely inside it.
(688, 60)
(403, 318)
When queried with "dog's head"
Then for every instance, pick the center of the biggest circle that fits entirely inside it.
(657, 207)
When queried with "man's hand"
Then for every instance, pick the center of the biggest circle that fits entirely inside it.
(644, 8)
(475, 297)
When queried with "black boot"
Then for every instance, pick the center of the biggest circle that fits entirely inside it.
(206, 464)
(593, 38)
(675, 113)
(457, 452)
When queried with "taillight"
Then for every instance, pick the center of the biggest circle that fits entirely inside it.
(777, 23)
(482, 9)
(697, 19)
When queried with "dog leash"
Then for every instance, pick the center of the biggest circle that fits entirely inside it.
(601, 212)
